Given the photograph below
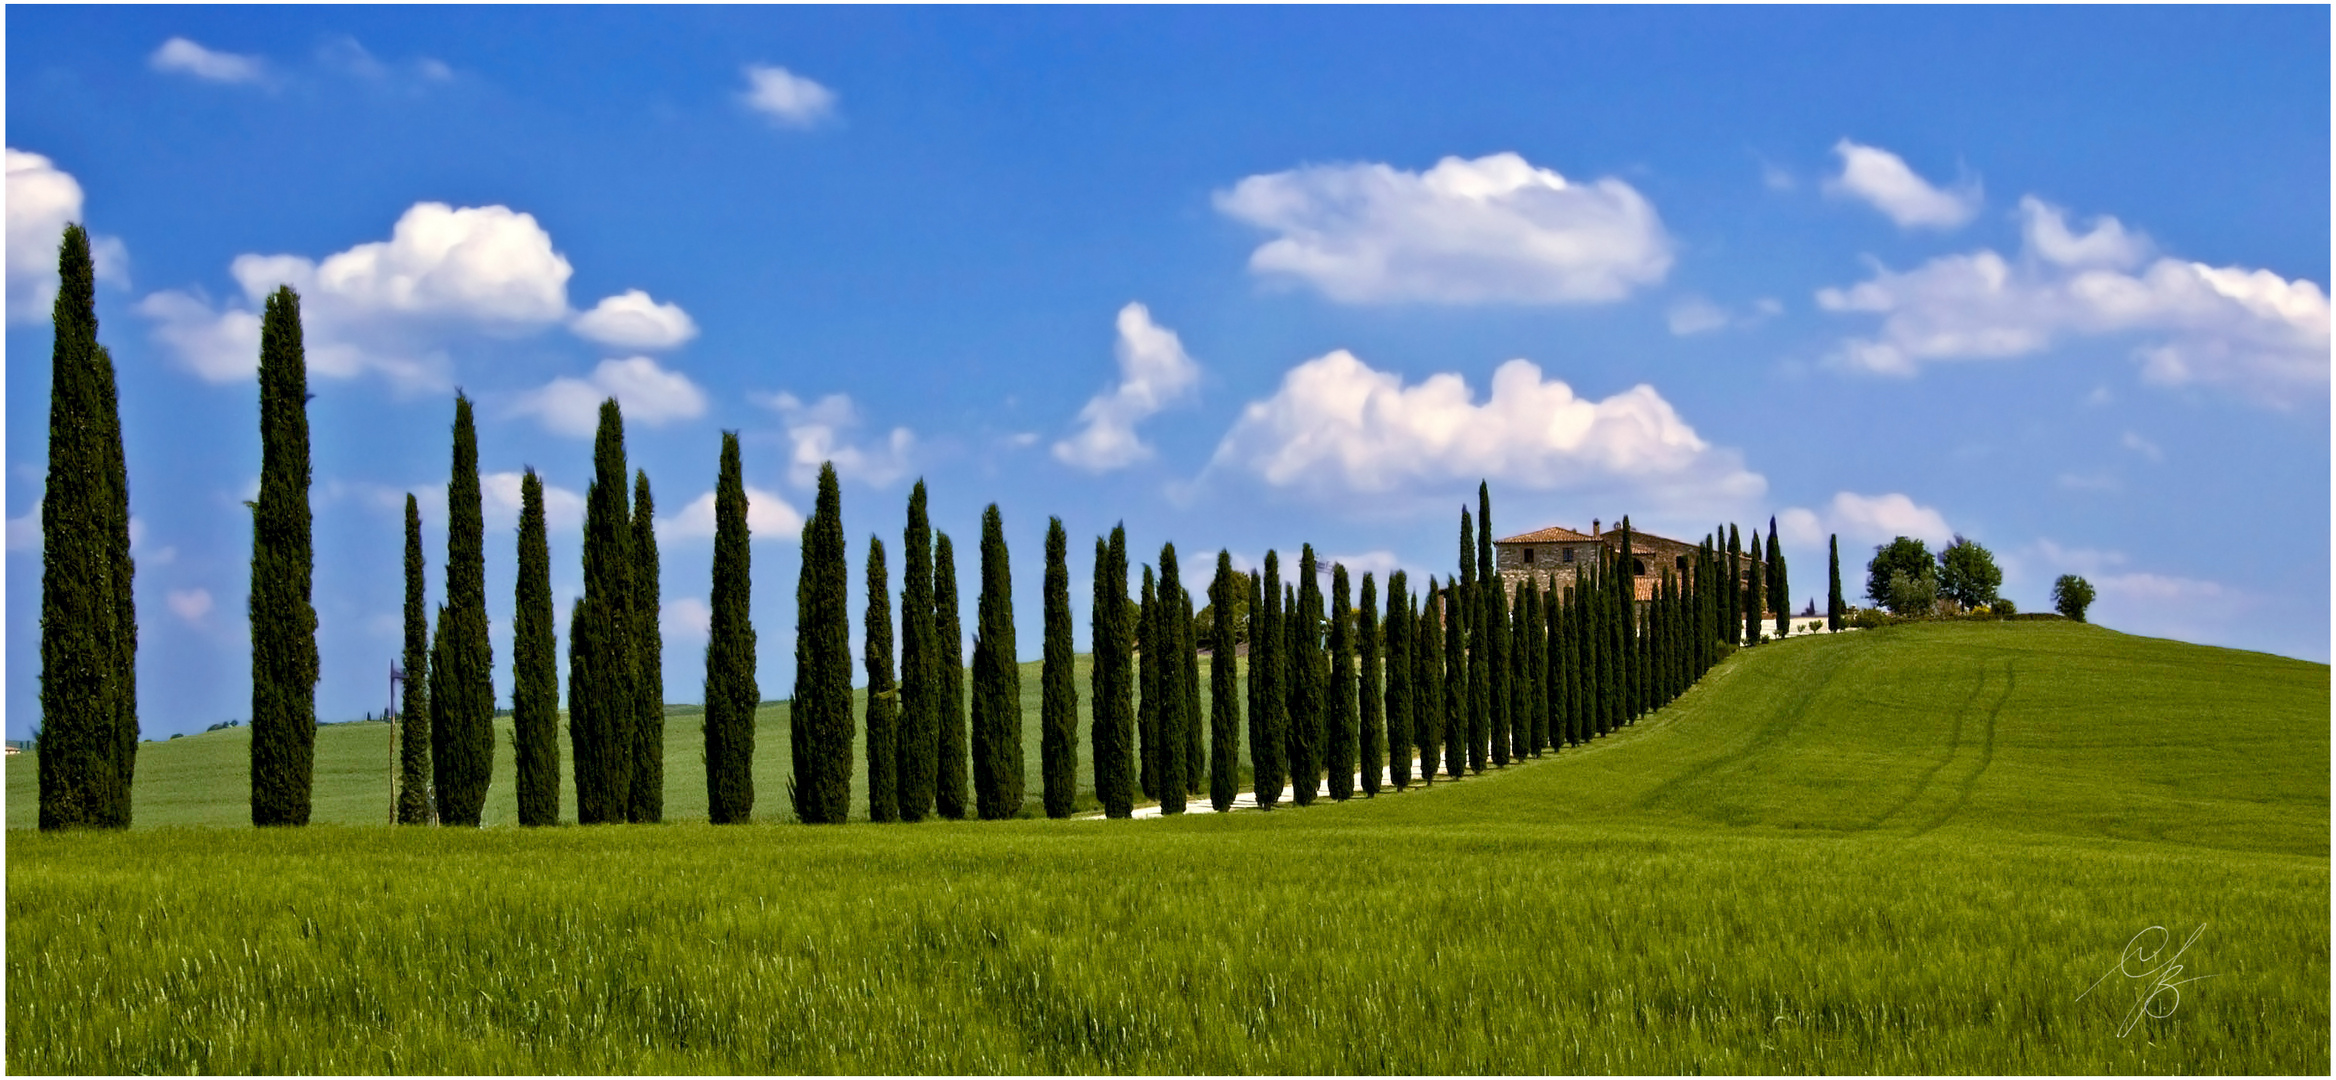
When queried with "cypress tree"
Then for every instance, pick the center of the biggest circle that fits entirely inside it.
(1268, 700)
(1113, 679)
(948, 665)
(413, 797)
(535, 666)
(1372, 748)
(1427, 713)
(1553, 661)
(1524, 677)
(883, 708)
(1400, 651)
(646, 769)
(1149, 654)
(997, 683)
(602, 669)
(1195, 738)
(731, 690)
(283, 621)
(1780, 596)
(1309, 711)
(1339, 720)
(1293, 657)
(1224, 691)
(1058, 709)
(1754, 596)
(1171, 719)
(1734, 573)
(820, 727)
(1455, 720)
(1493, 615)
(439, 695)
(1632, 669)
(919, 726)
(1833, 604)
(463, 691)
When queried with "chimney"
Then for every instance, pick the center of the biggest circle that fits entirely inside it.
(1593, 526)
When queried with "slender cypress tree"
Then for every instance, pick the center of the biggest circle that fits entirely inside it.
(463, 690)
(1058, 709)
(997, 683)
(1833, 604)
(1780, 596)
(1171, 719)
(1456, 724)
(1399, 650)
(122, 572)
(1224, 689)
(1310, 709)
(1525, 715)
(1427, 682)
(646, 769)
(1631, 669)
(949, 668)
(1755, 596)
(535, 666)
(731, 690)
(439, 695)
(1553, 666)
(1734, 574)
(1268, 700)
(919, 726)
(602, 665)
(1150, 655)
(1339, 719)
(883, 708)
(1293, 656)
(1188, 657)
(413, 748)
(1372, 747)
(1493, 615)
(821, 716)
(283, 621)
(1575, 663)
(1114, 679)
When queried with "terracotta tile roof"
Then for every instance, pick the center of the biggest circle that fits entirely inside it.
(1551, 535)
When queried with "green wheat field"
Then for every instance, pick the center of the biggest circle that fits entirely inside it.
(1911, 850)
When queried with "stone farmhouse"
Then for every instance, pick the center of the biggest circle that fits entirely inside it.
(1558, 554)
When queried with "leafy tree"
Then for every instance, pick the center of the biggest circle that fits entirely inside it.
(1112, 732)
(1913, 594)
(919, 705)
(602, 661)
(1268, 699)
(1780, 595)
(462, 690)
(1172, 718)
(997, 683)
(535, 666)
(820, 730)
(2071, 596)
(414, 803)
(283, 620)
(883, 708)
(1902, 555)
(1151, 654)
(1226, 604)
(1338, 741)
(948, 666)
(1834, 607)
(731, 690)
(1058, 709)
(1372, 748)
(646, 770)
(1399, 651)
(1968, 574)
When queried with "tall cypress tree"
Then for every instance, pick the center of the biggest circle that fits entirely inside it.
(1400, 661)
(1626, 611)
(1427, 714)
(997, 683)
(1170, 719)
(646, 769)
(1456, 711)
(121, 572)
(1553, 660)
(821, 716)
(1833, 604)
(1058, 708)
(1150, 655)
(1224, 689)
(883, 697)
(1524, 716)
(949, 669)
(919, 726)
(1188, 657)
(731, 690)
(1372, 746)
(1493, 615)
(602, 669)
(1310, 707)
(413, 796)
(1780, 597)
(535, 666)
(1268, 700)
(462, 694)
(1755, 596)
(1339, 719)
(1113, 680)
(1293, 656)
(1733, 573)
(283, 621)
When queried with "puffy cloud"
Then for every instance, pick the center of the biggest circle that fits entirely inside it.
(183, 57)
(685, 618)
(1492, 230)
(1865, 519)
(1337, 426)
(818, 432)
(42, 200)
(189, 604)
(1882, 179)
(1154, 373)
(632, 320)
(2251, 330)
(790, 100)
(647, 393)
(768, 517)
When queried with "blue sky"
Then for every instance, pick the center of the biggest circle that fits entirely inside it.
(2055, 280)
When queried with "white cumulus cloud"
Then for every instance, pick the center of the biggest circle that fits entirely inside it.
(189, 604)
(180, 56)
(1883, 180)
(1493, 230)
(768, 517)
(42, 200)
(819, 432)
(647, 394)
(1337, 426)
(1154, 373)
(2252, 331)
(1865, 519)
(790, 100)
(632, 320)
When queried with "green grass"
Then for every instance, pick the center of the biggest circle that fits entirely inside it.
(1905, 850)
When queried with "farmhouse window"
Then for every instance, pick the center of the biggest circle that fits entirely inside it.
(1569, 555)
(1528, 556)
